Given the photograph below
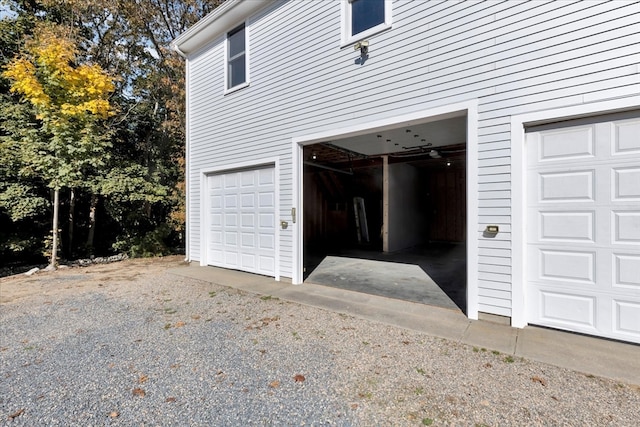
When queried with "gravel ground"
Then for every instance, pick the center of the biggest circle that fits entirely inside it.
(129, 344)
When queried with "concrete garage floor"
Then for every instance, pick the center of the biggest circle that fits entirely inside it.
(433, 274)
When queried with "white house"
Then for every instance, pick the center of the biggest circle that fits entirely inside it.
(511, 127)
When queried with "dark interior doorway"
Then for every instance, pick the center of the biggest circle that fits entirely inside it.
(391, 197)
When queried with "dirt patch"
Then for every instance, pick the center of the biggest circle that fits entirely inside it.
(80, 279)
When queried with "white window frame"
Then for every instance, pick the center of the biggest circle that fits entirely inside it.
(247, 81)
(347, 38)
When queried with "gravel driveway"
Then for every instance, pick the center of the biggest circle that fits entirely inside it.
(129, 344)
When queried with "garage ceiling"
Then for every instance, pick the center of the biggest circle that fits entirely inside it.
(452, 131)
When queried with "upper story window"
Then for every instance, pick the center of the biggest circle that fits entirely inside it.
(237, 57)
(362, 18)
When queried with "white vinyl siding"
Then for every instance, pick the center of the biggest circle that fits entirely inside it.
(513, 57)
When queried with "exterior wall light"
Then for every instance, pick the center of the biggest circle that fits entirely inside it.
(363, 46)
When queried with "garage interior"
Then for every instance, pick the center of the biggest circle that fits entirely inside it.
(385, 213)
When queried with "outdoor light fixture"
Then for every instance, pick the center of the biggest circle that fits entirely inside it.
(448, 163)
(313, 156)
(363, 46)
(434, 154)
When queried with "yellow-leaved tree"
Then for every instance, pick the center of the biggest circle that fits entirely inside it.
(70, 101)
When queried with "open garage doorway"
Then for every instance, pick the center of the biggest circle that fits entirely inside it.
(385, 212)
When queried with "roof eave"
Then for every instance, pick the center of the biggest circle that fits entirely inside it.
(221, 20)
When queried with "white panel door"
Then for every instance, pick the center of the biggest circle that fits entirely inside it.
(583, 226)
(241, 209)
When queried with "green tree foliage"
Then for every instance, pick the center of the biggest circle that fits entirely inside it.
(134, 200)
(68, 100)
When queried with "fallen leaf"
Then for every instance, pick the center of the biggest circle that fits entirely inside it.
(274, 384)
(488, 365)
(138, 392)
(16, 414)
(406, 342)
(143, 379)
(170, 399)
(299, 378)
(179, 324)
(114, 414)
(537, 379)
(195, 317)
(354, 406)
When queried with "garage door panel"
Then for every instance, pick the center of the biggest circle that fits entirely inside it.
(626, 183)
(230, 220)
(267, 241)
(626, 271)
(566, 226)
(266, 200)
(566, 144)
(247, 179)
(230, 258)
(568, 266)
(230, 201)
(266, 176)
(230, 238)
(626, 227)
(567, 186)
(267, 220)
(626, 140)
(216, 220)
(215, 182)
(216, 256)
(627, 317)
(216, 202)
(230, 181)
(248, 240)
(267, 263)
(583, 226)
(553, 309)
(216, 237)
(247, 220)
(248, 261)
(248, 200)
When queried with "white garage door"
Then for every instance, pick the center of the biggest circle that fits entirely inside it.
(242, 220)
(583, 226)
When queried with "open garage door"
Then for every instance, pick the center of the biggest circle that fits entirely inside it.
(241, 209)
(394, 196)
(583, 237)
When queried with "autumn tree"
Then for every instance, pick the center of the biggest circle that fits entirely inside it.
(70, 101)
(138, 191)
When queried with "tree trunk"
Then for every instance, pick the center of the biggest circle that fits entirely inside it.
(72, 208)
(92, 221)
(54, 248)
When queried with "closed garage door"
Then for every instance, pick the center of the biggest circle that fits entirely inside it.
(242, 223)
(583, 226)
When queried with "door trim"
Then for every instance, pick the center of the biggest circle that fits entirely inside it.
(467, 108)
(519, 123)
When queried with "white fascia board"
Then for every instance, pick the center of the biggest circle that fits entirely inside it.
(221, 20)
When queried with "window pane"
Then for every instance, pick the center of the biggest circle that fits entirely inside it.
(236, 59)
(366, 14)
(237, 71)
(236, 41)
